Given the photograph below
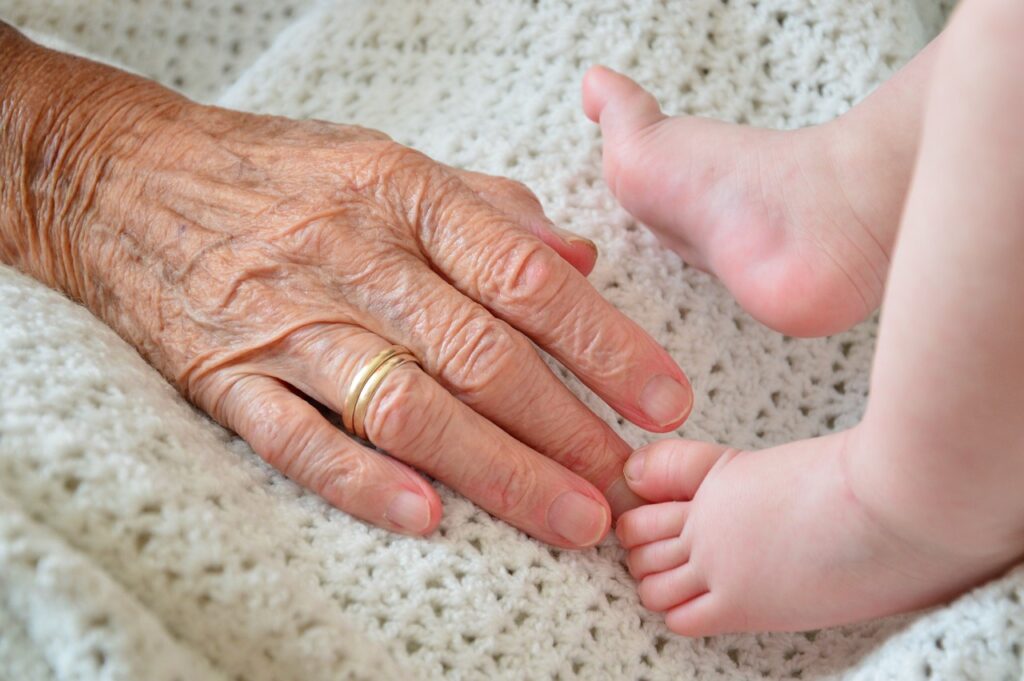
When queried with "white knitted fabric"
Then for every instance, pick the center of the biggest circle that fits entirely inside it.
(140, 541)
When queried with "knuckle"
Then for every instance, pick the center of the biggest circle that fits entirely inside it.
(285, 439)
(603, 347)
(337, 357)
(510, 488)
(318, 339)
(478, 354)
(418, 188)
(225, 396)
(331, 474)
(299, 444)
(397, 418)
(524, 274)
(585, 452)
(372, 166)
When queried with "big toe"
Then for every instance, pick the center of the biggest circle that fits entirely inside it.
(617, 102)
(671, 470)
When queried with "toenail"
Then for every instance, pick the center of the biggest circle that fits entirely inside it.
(621, 498)
(409, 511)
(634, 468)
(665, 400)
(577, 518)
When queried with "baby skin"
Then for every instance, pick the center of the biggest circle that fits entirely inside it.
(921, 500)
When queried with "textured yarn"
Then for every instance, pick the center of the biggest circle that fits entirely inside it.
(140, 541)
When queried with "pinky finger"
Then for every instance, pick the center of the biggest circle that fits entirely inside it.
(293, 437)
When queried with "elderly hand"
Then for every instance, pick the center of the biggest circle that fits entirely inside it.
(260, 262)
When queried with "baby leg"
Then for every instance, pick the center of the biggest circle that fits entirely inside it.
(921, 500)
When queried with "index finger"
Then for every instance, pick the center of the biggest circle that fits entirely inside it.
(524, 282)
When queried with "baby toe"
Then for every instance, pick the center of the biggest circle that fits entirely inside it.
(671, 470)
(705, 615)
(664, 590)
(651, 523)
(657, 557)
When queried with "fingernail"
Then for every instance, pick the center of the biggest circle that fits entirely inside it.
(409, 511)
(665, 400)
(634, 468)
(621, 498)
(574, 239)
(577, 518)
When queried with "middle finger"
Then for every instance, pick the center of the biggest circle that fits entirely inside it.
(524, 282)
(495, 370)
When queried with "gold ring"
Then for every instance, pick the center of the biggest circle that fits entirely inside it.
(365, 384)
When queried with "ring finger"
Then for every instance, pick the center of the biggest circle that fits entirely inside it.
(417, 421)
(291, 435)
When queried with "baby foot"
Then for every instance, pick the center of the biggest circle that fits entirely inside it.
(777, 540)
(798, 225)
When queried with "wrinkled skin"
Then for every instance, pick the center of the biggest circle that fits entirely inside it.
(257, 261)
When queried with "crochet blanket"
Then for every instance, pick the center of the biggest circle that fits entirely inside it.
(140, 541)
